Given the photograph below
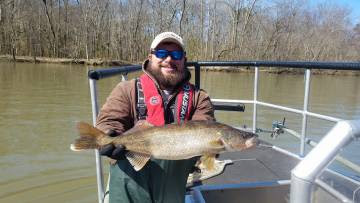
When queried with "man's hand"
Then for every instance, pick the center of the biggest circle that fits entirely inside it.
(111, 151)
(195, 169)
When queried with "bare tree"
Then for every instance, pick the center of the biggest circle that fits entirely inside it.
(212, 29)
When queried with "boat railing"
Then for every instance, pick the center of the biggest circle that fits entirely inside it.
(227, 104)
(304, 174)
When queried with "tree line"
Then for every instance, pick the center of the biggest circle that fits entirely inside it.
(212, 29)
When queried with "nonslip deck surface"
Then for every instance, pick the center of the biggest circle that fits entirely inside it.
(258, 164)
(265, 164)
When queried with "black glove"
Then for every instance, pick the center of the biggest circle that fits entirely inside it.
(111, 151)
(195, 169)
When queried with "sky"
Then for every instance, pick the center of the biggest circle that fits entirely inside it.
(354, 5)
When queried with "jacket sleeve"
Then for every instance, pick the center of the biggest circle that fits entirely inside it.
(117, 113)
(203, 108)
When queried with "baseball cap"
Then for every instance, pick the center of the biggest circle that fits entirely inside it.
(167, 37)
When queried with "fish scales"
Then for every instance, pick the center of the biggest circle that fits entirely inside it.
(170, 142)
(181, 144)
(174, 142)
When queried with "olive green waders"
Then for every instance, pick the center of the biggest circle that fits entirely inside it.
(160, 181)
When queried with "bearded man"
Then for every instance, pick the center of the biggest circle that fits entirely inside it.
(161, 95)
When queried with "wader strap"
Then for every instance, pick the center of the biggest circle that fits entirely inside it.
(141, 110)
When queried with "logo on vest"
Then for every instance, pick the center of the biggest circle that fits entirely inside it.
(154, 100)
(186, 87)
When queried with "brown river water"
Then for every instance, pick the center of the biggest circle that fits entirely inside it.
(41, 103)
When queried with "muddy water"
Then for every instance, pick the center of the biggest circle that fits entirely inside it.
(40, 104)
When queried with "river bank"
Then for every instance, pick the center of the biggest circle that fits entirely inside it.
(283, 71)
(90, 62)
(109, 62)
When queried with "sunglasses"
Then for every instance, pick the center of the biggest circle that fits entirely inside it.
(162, 54)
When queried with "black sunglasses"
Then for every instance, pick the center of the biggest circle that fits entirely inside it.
(163, 53)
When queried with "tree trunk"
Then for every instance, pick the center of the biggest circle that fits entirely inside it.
(50, 23)
(182, 17)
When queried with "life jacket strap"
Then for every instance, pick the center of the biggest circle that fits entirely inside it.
(183, 104)
(141, 109)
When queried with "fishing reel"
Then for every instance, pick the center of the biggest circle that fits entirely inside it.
(277, 128)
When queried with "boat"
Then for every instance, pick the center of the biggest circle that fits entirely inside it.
(269, 173)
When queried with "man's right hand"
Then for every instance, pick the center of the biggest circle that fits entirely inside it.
(114, 152)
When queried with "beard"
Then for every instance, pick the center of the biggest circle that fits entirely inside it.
(169, 81)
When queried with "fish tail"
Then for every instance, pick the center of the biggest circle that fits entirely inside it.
(84, 143)
(90, 137)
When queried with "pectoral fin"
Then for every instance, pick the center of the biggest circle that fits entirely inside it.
(137, 160)
(208, 161)
(217, 144)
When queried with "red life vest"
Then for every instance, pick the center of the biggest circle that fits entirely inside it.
(155, 106)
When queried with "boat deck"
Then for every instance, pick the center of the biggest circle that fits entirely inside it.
(261, 174)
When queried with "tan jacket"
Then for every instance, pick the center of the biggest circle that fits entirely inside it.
(119, 111)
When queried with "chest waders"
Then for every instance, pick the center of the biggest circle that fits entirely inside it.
(160, 181)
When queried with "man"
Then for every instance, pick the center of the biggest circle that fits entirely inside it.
(162, 95)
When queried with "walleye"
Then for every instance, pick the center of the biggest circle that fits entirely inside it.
(170, 142)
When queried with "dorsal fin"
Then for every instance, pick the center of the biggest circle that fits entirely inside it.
(139, 126)
(137, 160)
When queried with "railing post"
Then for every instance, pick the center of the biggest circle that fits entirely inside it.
(99, 169)
(256, 79)
(305, 109)
(197, 75)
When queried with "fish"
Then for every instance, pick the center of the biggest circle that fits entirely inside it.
(204, 139)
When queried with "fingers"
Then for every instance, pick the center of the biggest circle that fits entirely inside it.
(107, 150)
(118, 152)
(195, 169)
(113, 152)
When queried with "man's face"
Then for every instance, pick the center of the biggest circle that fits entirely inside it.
(167, 71)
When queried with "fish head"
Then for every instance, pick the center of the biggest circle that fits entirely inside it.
(236, 140)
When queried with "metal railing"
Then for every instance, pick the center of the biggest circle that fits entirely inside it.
(290, 64)
(225, 104)
(93, 76)
(303, 176)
